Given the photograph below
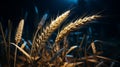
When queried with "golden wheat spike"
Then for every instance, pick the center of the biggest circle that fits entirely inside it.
(52, 27)
(87, 19)
(73, 26)
(19, 31)
(55, 23)
(18, 37)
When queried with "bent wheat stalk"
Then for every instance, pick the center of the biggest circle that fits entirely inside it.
(72, 48)
(18, 37)
(24, 52)
(73, 26)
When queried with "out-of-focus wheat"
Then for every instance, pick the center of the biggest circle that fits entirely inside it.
(93, 48)
(19, 31)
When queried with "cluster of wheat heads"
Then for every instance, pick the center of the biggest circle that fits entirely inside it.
(43, 54)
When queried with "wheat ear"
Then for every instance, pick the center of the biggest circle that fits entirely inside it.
(40, 25)
(50, 29)
(19, 31)
(73, 26)
(18, 37)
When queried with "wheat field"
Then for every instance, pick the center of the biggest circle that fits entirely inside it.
(41, 53)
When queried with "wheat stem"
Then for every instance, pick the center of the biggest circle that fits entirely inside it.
(3, 36)
(9, 35)
(24, 52)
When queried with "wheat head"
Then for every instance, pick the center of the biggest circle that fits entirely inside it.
(18, 37)
(19, 31)
(74, 25)
(41, 40)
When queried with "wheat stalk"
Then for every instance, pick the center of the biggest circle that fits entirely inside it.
(3, 36)
(18, 37)
(72, 26)
(9, 37)
(23, 51)
(72, 48)
(43, 37)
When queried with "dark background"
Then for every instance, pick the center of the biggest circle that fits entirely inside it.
(15, 9)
